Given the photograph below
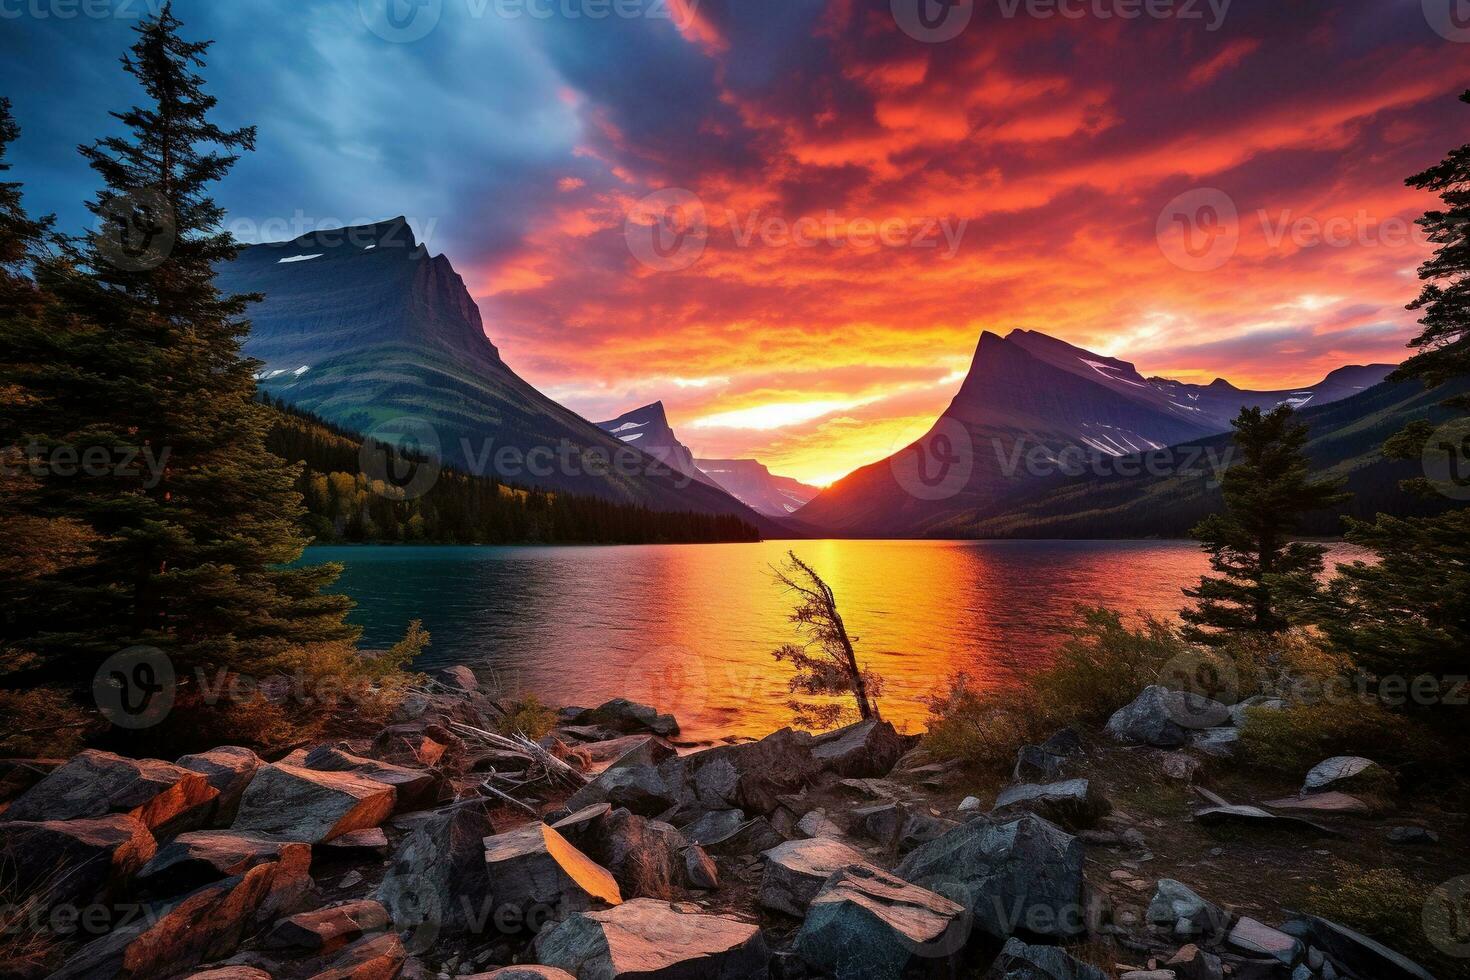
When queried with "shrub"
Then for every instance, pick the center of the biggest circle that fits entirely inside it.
(528, 717)
(41, 722)
(1295, 738)
(1386, 905)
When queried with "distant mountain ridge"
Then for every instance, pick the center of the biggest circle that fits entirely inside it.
(752, 483)
(1028, 402)
(364, 328)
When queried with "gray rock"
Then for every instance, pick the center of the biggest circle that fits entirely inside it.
(881, 822)
(1344, 772)
(1355, 952)
(752, 776)
(1018, 961)
(229, 770)
(94, 784)
(970, 804)
(327, 930)
(1162, 718)
(713, 826)
(438, 874)
(1412, 835)
(644, 856)
(652, 940)
(1185, 914)
(1221, 742)
(526, 971)
(535, 865)
(308, 805)
(629, 717)
(1178, 765)
(636, 750)
(1330, 804)
(796, 870)
(867, 749)
(460, 678)
(1258, 938)
(414, 788)
(1193, 963)
(700, 871)
(1019, 878)
(1073, 804)
(751, 837)
(866, 924)
(818, 824)
(1238, 716)
(75, 862)
(202, 857)
(921, 828)
(638, 788)
(1064, 742)
(1036, 765)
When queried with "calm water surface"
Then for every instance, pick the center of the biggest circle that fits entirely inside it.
(691, 627)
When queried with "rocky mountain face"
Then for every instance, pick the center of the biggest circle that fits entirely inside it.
(364, 328)
(648, 429)
(1031, 407)
(753, 484)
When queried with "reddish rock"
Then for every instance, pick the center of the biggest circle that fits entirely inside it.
(201, 857)
(76, 861)
(652, 940)
(229, 770)
(867, 749)
(94, 784)
(796, 870)
(308, 805)
(373, 958)
(415, 788)
(328, 929)
(535, 865)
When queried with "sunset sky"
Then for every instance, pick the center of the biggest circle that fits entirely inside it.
(1021, 171)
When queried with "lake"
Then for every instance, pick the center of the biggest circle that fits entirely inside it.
(690, 628)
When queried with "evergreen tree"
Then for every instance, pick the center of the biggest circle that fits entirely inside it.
(1409, 612)
(1259, 567)
(194, 518)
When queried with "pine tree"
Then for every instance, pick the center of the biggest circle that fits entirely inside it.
(1409, 613)
(194, 517)
(825, 662)
(1266, 490)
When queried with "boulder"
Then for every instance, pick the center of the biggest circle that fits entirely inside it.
(700, 871)
(1183, 913)
(630, 750)
(638, 788)
(1356, 953)
(866, 749)
(751, 837)
(1018, 961)
(1260, 939)
(536, 866)
(818, 824)
(882, 822)
(1073, 804)
(652, 940)
(1063, 742)
(371, 958)
(414, 788)
(628, 717)
(644, 856)
(751, 776)
(1345, 772)
(459, 678)
(1023, 877)
(1193, 963)
(310, 805)
(201, 857)
(1162, 718)
(714, 825)
(796, 870)
(920, 828)
(94, 784)
(437, 875)
(75, 862)
(866, 923)
(208, 924)
(1036, 765)
(326, 930)
(576, 826)
(229, 770)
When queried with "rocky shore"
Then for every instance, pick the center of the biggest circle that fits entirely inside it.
(850, 854)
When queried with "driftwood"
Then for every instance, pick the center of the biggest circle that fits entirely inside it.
(551, 768)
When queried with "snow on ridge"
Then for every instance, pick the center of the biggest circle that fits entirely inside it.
(1103, 369)
(629, 425)
(630, 438)
(299, 258)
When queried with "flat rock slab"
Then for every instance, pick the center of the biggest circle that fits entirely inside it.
(652, 940)
(1258, 938)
(200, 857)
(414, 787)
(1018, 961)
(867, 749)
(527, 972)
(328, 929)
(1327, 804)
(1241, 815)
(229, 770)
(371, 958)
(796, 870)
(536, 865)
(1343, 772)
(866, 923)
(94, 784)
(309, 805)
(370, 839)
(94, 856)
(1363, 956)
(1072, 803)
